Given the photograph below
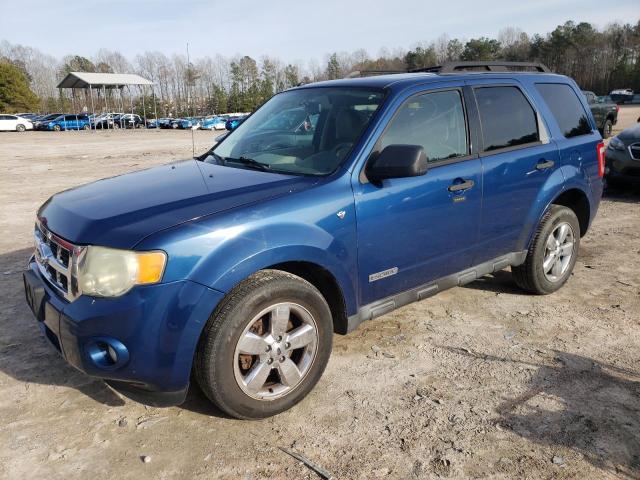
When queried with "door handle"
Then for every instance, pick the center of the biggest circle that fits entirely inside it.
(545, 164)
(457, 187)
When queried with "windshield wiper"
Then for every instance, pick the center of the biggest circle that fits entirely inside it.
(208, 155)
(250, 162)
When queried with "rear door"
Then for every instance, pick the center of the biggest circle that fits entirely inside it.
(577, 137)
(518, 158)
(414, 230)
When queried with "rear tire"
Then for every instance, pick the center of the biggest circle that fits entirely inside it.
(269, 309)
(607, 129)
(86, 127)
(552, 254)
(20, 128)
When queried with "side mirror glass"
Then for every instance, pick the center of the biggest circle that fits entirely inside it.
(397, 161)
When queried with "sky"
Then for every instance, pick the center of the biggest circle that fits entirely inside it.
(293, 30)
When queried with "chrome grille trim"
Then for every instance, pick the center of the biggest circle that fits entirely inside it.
(634, 151)
(57, 262)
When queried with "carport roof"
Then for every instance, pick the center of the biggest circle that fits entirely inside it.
(109, 80)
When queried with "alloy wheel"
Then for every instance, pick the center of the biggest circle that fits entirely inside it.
(559, 250)
(275, 351)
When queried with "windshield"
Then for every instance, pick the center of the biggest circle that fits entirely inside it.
(307, 131)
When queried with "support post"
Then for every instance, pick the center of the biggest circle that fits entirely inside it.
(106, 108)
(144, 110)
(155, 107)
(131, 104)
(93, 110)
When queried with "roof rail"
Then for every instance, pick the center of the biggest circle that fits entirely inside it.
(370, 73)
(486, 66)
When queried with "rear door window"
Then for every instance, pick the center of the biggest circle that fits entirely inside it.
(435, 121)
(508, 119)
(565, 108)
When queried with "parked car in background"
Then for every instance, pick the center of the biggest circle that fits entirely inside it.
(605, 113)
(69, 122)
(235, 269)
(160, 123)
(128, 120)
(40, 123)
(28, 116)
(187, 122)
(622, 156)
(213, 123)
(233, 122)
(622, 95)
(104, 120)
(166, 122)
(14, 123)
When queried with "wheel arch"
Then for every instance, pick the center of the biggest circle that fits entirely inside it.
(326, 284)
(558, 193)
(328, 274)
(578, 201)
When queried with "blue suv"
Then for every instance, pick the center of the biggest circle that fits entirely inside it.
(236, 268)
(69, 122)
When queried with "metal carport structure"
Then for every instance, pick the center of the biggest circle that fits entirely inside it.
(103, 81)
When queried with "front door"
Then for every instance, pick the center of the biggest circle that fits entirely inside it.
(414, 230)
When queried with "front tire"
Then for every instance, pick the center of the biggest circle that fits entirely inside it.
(57, 128)
(552, 254)
(20, 128)
(265, 346)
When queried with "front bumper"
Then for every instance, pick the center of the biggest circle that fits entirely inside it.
(153, 331)
(620, 164)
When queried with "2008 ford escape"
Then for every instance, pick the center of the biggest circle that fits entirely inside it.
(332, 204)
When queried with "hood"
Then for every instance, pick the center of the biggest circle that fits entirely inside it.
(119, 212)
(630, 135)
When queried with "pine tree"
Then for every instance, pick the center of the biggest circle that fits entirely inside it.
(15, 93)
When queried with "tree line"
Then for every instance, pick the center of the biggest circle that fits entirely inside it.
(599, 60)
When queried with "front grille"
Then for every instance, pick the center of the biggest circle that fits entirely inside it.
(634, 151)
(55, 260)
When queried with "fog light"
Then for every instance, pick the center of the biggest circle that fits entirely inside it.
(107, 353)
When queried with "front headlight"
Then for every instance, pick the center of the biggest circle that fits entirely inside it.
(108, 272)
(616, 144)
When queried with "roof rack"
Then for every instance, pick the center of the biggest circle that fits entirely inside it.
(486, 66)
(370, 73)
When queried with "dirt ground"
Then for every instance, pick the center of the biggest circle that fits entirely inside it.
(478, 382)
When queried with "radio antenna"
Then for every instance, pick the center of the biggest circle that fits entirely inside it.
(190, 77)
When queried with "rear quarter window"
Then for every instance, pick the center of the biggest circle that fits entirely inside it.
(565, 108)
(508, 119)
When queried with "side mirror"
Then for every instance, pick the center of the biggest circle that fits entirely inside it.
(397, 161)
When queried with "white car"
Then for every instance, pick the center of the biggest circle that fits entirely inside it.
(15, 123)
